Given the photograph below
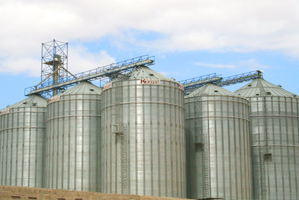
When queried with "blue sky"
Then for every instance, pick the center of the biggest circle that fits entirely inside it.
(187, 38)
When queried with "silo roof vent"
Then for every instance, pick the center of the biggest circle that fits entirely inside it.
(279, 85)
(25, 102)
(215, 90)
(34, 104)
(91, 89)
(268, 93)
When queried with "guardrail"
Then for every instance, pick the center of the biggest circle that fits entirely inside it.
(193, 83)
(98, 73)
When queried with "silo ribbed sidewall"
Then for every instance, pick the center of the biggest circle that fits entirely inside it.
(275, 129)
(153, 118)
(72, 143)
(21, 146)
(218, 147)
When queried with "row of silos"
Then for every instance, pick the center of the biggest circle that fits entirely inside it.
(52, 144)
(130, 139)
(137, 147)
(270, 143)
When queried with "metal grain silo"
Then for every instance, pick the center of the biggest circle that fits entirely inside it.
(22, 131)
(143, 141)
(72, 139)
(274, 140)
(218, 147)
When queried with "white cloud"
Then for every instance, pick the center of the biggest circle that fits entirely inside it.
(164, 73)
(170, 74)
(215, 65)
(252, 64)
(81, 60)
(13, 65)
(214, 25)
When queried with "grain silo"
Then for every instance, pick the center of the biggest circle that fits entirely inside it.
(218, 147)
(274, 140)
(143, 141)
(22, 131)
(72, 139)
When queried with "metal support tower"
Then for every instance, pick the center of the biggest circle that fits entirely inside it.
(54, 62)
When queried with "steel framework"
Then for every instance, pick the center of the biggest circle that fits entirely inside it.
(54, 62)
(193, 83)
(239, 78)
(107, 72)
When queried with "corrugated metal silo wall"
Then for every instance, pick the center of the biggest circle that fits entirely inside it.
(218, 148)
(72, 142)
(22, 132)
(275, 147)
(149, 158)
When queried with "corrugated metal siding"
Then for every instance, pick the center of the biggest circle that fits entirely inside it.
(72, 140)
(275, 133)
(152, 117)
(274, 140)
(22, 130)
(218, 148)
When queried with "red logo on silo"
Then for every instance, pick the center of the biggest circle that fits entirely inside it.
(4, 111)
(107, 86)
(150, 81)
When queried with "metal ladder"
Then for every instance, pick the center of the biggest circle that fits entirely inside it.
(124, 159)
(206, 167)
(197, 133)
(264, 150)
(202, 138)
(121, 131)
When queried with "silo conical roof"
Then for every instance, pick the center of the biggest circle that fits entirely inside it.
(145, 73)
(32, 100)
(211, 89)
(82, 88)
(262, 87)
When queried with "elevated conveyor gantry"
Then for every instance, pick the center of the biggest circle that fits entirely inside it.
(103, 73)
(193, 83)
